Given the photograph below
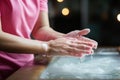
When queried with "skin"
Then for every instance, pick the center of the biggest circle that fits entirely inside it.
(56, 42)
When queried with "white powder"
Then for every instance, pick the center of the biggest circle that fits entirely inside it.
(98, 66)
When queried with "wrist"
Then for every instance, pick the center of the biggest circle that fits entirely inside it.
(45, 47)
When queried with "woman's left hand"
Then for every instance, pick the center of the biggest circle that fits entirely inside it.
(79, 34)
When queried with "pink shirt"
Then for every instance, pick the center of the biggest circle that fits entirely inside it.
(18, 18)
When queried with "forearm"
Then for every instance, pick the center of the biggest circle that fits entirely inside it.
(42, 31)
(46, 34)
(12, 43)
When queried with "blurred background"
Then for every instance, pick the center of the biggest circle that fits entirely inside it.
(101, 16)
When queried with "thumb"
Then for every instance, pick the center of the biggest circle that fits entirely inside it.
(84, 32)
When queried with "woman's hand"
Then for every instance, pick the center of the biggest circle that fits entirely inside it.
(77, 33)
(69, 46)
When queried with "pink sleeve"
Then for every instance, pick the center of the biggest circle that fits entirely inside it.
(43, 5)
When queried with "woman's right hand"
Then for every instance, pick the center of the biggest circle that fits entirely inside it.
(69, 46)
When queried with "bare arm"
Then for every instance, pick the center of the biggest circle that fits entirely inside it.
(12, 43)
(43, 31)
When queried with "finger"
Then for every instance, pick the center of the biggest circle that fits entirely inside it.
(85, 39)
(94, 43)
(84, 32)
(81, 46)
(72, 33)
(84, 44)
(76, 51)
(79, 54)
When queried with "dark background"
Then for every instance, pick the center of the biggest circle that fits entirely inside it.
(98, 15)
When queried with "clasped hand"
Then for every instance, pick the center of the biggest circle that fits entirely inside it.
(73, 43)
